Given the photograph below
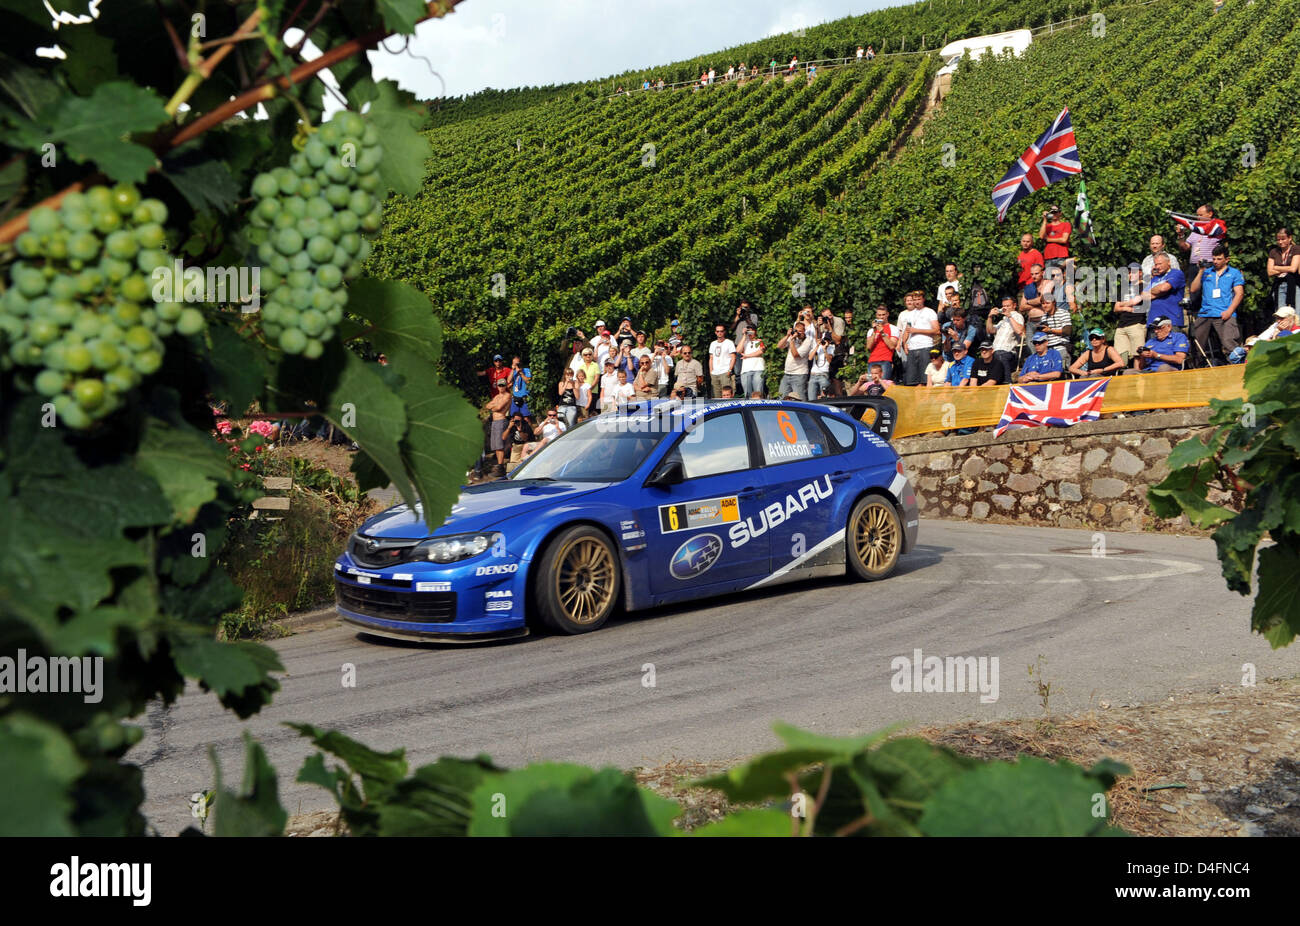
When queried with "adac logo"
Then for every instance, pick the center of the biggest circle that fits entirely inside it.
(696, 556)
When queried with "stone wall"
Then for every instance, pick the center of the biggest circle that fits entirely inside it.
(1092, 475)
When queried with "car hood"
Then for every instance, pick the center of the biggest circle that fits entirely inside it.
(479, 507)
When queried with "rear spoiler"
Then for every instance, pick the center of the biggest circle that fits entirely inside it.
(879, 412)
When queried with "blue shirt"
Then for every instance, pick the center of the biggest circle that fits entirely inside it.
(1213, 306)
(1167, 305)
(1177, 341)
(959, 370)
(519, 386)
(1046, 363)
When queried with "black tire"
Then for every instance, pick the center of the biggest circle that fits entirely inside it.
(577, 581)
(873, 538)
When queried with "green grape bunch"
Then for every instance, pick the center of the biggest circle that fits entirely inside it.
(317, 212)
(77, 315)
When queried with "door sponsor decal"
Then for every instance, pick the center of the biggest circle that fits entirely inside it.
(706, 512)
(696, 556)
(795, 503)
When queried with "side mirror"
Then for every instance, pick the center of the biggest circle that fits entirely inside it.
(667, 473)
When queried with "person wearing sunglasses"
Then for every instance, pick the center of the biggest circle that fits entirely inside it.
(1100, 359)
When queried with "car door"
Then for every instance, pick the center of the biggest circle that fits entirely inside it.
(698, 543)
(799, 468)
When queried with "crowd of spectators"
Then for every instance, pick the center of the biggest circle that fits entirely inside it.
(1158, 323)
(743, 71)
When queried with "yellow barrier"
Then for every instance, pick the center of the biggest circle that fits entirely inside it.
(940, 408)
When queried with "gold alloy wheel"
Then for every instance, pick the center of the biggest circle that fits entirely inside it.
(876, 537)
(584, 580)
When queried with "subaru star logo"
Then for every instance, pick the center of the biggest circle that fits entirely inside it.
(695, 556)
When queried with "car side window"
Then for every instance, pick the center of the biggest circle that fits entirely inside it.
(788, 434)
(841, 432)
(714, 446)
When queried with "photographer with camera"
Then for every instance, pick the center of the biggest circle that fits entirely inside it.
(752, 365)
(1164, 352)
(662, 363)
(819, 365)
(1055, 232)
(744, 318)
(882, 342)
(798, 347)
(1006, 327)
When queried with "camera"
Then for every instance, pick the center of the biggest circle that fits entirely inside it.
(570, 333)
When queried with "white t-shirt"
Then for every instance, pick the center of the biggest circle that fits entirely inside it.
(938, 293)
(935, 377)
(720, 354)
(624, 393)
(603, 349)
(752, 364)
(821, 359)
(584, 396)
(552, 429)
(639, 352)
(1004, 336)
(608, 383)
(577, 363)
(796, 364)
(924, 317)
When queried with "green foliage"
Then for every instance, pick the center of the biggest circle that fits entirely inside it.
(865, 786)
(118, 501)
(1252, 462)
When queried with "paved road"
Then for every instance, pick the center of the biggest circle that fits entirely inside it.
(1150, 617)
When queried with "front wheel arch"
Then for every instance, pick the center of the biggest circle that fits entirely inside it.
(532, 612)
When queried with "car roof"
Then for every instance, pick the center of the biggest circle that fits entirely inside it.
(696, 408)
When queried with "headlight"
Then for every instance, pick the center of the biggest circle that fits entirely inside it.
(455, 548)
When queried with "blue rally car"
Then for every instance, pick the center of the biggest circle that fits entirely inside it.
(661, 502)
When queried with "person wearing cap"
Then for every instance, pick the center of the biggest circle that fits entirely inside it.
(625, 334)
(1222, 287)
(608, 383)
(1055, 232)
(959, 369)
(494, 374)
(1164, 352)
(520, 377)
(1285, 322)
(1100, 359)
(604, 346)
(936, 374)
(600, 329)
(1043, 365)
(989, 369)
(675, 338)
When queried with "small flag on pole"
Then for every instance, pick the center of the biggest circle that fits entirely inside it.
(1083, 216)
(1053, 157)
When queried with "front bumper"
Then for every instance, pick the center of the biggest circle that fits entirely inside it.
(478, 599)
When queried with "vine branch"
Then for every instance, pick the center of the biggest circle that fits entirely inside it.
(433, 10)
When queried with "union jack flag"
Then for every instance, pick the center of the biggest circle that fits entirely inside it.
(1210, 228)
(1053, 157)
(1053, 405)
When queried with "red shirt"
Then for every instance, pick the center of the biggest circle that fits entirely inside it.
(1028, 259)
(1057, 250)
(495, 374)
(882, 352)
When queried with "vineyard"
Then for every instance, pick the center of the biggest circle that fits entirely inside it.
(545, 208)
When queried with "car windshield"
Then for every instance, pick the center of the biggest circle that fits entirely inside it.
(590, 454)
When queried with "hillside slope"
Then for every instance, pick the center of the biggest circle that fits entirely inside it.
(539, 215)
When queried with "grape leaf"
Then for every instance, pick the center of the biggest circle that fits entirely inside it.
(186, 463)
(400, 316)
(1277, 607)
(93, 128)
(398, 117)
(38, 765)
(402, 15)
